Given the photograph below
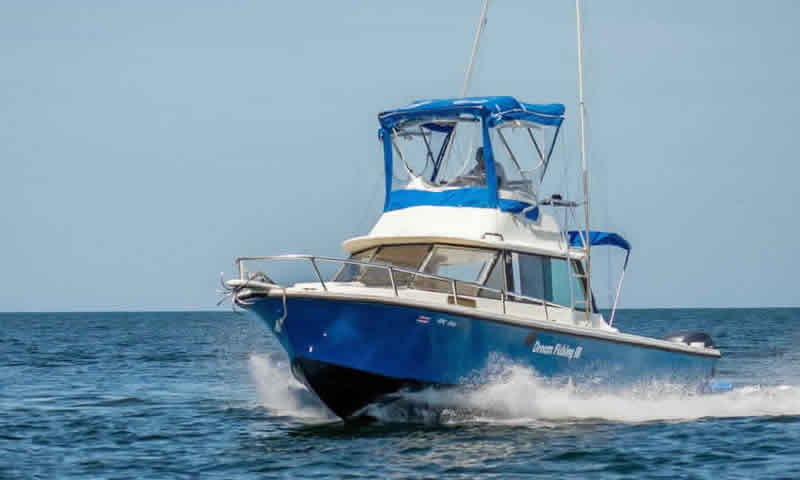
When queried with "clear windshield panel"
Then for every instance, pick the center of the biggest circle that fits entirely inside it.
(352, 272)
(432, 154)
(405, 256)
(521, 153)
(495, 280)
(458, 263)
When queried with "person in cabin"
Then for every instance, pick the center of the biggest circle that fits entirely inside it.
(477, 175)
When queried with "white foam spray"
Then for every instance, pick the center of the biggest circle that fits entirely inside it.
(521, 395)
(280, 392)
(516, 395)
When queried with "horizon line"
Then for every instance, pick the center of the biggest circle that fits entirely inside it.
(221, 310)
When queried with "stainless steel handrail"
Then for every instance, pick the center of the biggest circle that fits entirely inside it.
(391, 269)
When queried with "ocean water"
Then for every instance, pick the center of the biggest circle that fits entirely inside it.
(209, 395)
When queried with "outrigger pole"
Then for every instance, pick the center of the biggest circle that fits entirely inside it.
(476, 43)
(584, 164)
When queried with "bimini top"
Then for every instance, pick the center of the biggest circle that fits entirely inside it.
(598, 239)
(496, 110)
(425, 165)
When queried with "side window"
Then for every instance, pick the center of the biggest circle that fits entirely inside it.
(529, 277)
(578, 288)
(559, 277)
(547, 278)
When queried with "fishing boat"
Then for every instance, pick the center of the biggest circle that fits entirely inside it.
(469, 264)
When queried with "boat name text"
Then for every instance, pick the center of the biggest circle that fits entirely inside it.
(558, 349)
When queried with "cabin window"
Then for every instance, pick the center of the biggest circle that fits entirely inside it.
(547, 278)
(352, 272)
(496, 280)
(529, 275)
(559, 289)
(468, 265)
(497, 276)
(405, 256)
(579, 287)
(536, 276)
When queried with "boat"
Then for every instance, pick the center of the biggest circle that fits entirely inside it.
(468, 265)
(459, 269)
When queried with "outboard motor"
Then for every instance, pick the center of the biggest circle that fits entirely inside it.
(693, 339)
(701, 339)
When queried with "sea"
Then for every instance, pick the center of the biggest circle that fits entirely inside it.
(195, 395)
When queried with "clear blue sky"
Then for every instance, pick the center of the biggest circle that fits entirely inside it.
(146, 144)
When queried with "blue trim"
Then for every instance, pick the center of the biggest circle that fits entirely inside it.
(517, 206)
(497, 110)
(488, 157)
(476, 197)
(459, 197)
(500, 118)
(386, 137)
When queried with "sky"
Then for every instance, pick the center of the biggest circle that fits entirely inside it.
(144, 145)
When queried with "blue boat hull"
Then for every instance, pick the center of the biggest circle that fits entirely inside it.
(352, 352)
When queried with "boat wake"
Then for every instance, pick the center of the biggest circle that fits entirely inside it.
(517, 396)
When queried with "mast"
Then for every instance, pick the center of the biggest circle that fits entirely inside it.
(584, 163)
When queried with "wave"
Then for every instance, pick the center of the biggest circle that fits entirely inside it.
(517, 395)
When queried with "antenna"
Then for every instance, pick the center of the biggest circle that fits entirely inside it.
(584, 164)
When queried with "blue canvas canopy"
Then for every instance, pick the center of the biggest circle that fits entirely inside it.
(496, 110)
(598, 238)
(440, 115)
